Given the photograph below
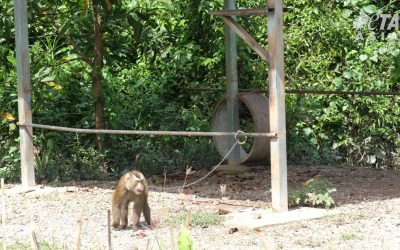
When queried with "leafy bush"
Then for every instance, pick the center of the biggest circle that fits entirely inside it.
(314, 193)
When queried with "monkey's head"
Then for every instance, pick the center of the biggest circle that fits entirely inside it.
(135, 182)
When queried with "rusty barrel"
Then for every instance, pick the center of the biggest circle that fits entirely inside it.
(257, 104)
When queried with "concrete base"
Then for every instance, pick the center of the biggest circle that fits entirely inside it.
(259, 218)
(38, 190)
(232, 169)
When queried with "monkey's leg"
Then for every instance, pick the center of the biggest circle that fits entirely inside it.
(116, 214)
(124, 214)
(137, 211)
(147, 213)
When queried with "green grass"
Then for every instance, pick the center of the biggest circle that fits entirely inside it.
(43, 245)
(53, 196)
(201, 219)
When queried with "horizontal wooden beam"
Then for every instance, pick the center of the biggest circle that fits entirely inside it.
(241, 12)
(240, 31)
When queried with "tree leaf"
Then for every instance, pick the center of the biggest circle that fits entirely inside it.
(7, 116)
(370, 9)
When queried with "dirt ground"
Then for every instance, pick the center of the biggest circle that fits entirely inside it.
(367, 212)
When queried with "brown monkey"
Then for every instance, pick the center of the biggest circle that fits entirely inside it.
(131, 187)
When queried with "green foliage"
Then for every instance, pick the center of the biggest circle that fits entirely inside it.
(322, 53)
(44, 163)
(201, 219)
(185, 241)
(314, 193)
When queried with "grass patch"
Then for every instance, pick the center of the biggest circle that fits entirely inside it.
(201, 219)
(43, 245)
(347, 218)
(354, 234)
(314, 242)
(53, 196)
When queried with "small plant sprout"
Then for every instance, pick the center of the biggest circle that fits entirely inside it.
(222, 189)
(188, 172)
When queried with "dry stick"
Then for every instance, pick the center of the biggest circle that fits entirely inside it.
(35, 244)
(171, 233)
(109, 229)
(78, 232)
(3, 214)
(187, 220)
(92, 228)
(165, 179)
(264, 242)
(184, 182)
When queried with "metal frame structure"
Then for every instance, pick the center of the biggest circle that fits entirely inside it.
(274, 59)
(276, 75)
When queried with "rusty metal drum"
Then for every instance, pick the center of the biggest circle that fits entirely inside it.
(257, 104)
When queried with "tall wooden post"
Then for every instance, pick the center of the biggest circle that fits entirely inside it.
(276, 75)
(232, 86)
(24, 92)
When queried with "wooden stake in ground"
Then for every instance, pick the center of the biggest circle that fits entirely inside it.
(35, 244)
(91, 225)
(109, 229)
(3, 214)
(266, 245)
(187, 220)
(171, 232)
(78, 232)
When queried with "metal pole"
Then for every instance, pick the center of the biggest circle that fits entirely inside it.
(231, 85)
(24, 92)
(276, 75)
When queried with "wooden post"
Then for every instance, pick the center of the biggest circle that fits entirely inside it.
(276, 75)
(231, 86)
(3, 215)
(24, 92)
(109, 246)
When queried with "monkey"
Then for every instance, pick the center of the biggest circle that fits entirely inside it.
(131, 187)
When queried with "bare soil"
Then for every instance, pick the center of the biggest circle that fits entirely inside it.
(367, 212)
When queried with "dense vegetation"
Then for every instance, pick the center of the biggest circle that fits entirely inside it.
(153, 50)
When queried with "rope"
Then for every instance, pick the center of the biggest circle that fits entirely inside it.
(237, 142)
(145, 132)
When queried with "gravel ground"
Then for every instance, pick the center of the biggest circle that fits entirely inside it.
(367, 215)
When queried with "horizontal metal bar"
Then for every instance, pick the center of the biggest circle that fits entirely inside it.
(145, 132)
(298, 91)
(241, 12)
